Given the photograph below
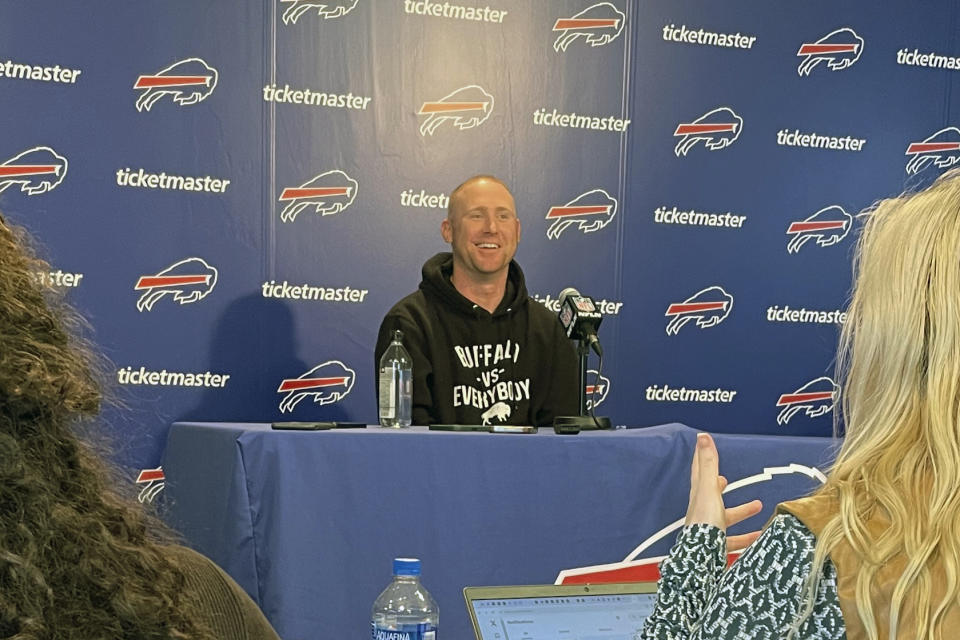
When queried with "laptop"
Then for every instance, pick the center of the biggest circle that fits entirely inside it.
(596, 611)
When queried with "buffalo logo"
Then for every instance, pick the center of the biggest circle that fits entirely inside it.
(297, 8)
(599, 24)
(816, 398)
(187, 281)
(153, 483)
(500, 411)
(465, 108)
(829, 226)
(590, 211)
(600, 387)
(717, 130)
(328, 193)
(636, 568)
(326, 383)
(36, 170)
(188, 82)
(942, 149)
(839, 49)
(710, 307)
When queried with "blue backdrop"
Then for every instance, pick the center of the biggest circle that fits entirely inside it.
(235, 192)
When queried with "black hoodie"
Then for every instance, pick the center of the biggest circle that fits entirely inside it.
(470, 366)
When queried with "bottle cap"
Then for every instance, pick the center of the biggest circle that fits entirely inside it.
(406, 567)
(397, 335)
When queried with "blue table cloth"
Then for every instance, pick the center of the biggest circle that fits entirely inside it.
(309, 522)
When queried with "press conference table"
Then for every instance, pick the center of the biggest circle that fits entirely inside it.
(309, 522)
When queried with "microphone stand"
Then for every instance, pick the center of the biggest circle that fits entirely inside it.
(575, 424)
(583, 350)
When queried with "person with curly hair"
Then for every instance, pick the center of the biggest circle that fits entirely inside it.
(77, 559)
(875, 551)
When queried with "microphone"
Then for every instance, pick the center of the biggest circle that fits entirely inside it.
(579, 318)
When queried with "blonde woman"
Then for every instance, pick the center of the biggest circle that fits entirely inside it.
(875, 552)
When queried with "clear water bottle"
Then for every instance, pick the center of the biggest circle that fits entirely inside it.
(405, 611)
(396, 384)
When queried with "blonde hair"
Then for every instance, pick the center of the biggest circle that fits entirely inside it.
(899, 366)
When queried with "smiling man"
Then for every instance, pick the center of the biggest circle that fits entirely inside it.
(483, 352)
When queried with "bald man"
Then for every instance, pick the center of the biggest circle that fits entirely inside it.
(483, 352)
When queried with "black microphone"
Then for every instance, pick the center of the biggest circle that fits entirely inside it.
(579, 318)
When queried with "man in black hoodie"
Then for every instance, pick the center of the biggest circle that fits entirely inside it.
(483, 352)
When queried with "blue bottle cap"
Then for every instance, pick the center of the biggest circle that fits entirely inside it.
(406, 567)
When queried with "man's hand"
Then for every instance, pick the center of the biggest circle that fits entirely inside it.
(706, 496)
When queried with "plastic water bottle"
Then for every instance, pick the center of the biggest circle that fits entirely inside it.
(405, 611)
(396, 384)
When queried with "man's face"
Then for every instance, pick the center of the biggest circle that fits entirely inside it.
(483, 229)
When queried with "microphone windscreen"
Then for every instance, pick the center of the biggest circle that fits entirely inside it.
(569, 291)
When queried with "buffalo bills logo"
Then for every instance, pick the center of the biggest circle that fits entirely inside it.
(326, 383)
(590, 211)
(599, 24)
(816, 398)
(942, 150)
(186, 281)
(36, 170)
(716, 129)
(296, 8)
(597, 387)
(828, 226)
(328, 193)
(187, 82)
(640, 566)
(709, 307)
(465, 108)
(839, 49)
(153, 483)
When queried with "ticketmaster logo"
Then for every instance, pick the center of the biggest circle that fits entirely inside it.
(58, 278)
(666, 393)
(663, 215)
(164, 378)
(56, 73)
(804, 315)
(787, 138)
(307, 96)
(287, 291)
(163, 180)
(930, 60)
(447, 10)
(545, 118)
(699, 36)
(424, 200)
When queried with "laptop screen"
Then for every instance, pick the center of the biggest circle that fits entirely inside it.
(584, 616)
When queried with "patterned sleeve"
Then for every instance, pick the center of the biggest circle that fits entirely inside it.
(758, 598)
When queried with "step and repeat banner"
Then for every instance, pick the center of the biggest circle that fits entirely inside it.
(234, 192)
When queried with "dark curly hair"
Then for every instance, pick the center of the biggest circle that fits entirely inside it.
(77, 559)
